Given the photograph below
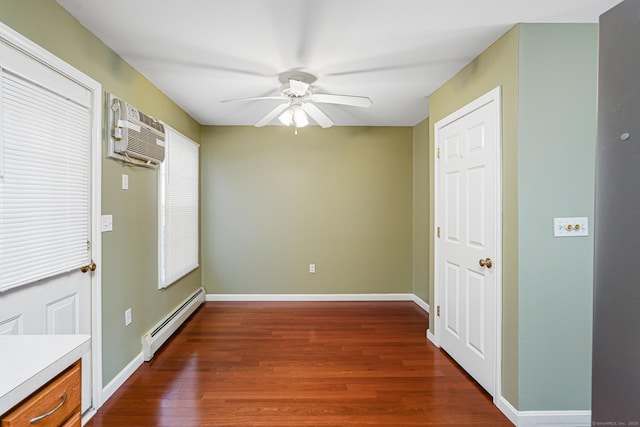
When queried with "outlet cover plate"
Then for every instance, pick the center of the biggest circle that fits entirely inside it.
(571, 227)
(107, 223)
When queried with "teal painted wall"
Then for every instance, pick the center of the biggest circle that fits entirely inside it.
(556, 163)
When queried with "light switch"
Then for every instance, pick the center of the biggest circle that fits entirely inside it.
(107, 223)
(571, 227)
(125, 181)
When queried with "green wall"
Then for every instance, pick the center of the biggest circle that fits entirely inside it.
(556, 164)
(421, 229)
(497, 66)
(274, 202)
(129, 254)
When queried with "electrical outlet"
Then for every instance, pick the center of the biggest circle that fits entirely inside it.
(312, 268)
(127, 317)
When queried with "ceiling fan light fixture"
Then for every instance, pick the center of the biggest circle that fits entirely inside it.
(286, 118)
(299, 116)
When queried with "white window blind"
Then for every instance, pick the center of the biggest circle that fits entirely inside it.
(44, 189)
(178, 208)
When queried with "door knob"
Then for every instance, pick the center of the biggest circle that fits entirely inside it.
(90, 267)
(486, 263)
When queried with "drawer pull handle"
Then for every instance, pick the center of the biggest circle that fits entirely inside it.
(43, 416)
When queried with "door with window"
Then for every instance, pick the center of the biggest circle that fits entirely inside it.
(467, 243)
(47, 134)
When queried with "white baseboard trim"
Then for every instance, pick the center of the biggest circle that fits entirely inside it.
(432, 338)
(543, 418)
(310, 297)
(421, 303)
(320, 297)
(88, 415)
(554, 418)
(507, 409)
(122, 376)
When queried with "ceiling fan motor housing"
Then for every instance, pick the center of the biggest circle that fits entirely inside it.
(301, 76)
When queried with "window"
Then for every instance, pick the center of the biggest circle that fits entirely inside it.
(44, 175)
(178, 201)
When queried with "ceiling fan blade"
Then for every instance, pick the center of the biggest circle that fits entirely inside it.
(297, 87)
(317, 115)
(354, 101)
(272, 114)
(259, 98)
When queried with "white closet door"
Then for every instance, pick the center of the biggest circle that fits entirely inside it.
(467, 248)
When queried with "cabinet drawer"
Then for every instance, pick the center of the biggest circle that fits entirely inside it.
(66, 388)
(74, 421)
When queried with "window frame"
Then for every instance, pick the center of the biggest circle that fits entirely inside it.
(167, 278)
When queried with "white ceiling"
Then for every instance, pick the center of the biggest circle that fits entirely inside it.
(396, 52)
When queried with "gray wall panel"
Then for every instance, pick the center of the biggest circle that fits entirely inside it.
(616, 330)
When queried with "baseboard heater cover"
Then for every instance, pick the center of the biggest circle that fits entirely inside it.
(158, 335)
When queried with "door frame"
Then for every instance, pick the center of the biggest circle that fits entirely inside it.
(494, 96)
(28, 47)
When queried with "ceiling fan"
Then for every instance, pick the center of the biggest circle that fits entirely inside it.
(300, 101)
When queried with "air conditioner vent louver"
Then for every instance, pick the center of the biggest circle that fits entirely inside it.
(138, 144)
(150, 121)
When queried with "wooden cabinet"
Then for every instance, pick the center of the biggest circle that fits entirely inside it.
(74, 421)
(55, 404)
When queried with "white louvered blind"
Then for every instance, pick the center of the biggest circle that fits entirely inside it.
(178, 208)
(44, 188)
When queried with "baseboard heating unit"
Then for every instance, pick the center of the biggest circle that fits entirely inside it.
(153, 340)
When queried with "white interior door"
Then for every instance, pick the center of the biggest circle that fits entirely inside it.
(467, 255)
(47, 140)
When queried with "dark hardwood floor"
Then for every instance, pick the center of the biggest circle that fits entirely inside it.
(301, 364)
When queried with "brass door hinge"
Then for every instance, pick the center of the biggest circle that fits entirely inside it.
(438, 232)
(438, 152)
(438, 311)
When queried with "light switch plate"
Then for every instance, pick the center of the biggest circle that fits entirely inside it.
(107, 223)
(571, 227)
(125, 181)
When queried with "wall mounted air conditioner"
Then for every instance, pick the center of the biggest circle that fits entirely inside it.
(134, 135)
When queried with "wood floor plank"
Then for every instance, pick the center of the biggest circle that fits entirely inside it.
(325, 364)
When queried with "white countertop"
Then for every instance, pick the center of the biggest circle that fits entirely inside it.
(27, 362)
